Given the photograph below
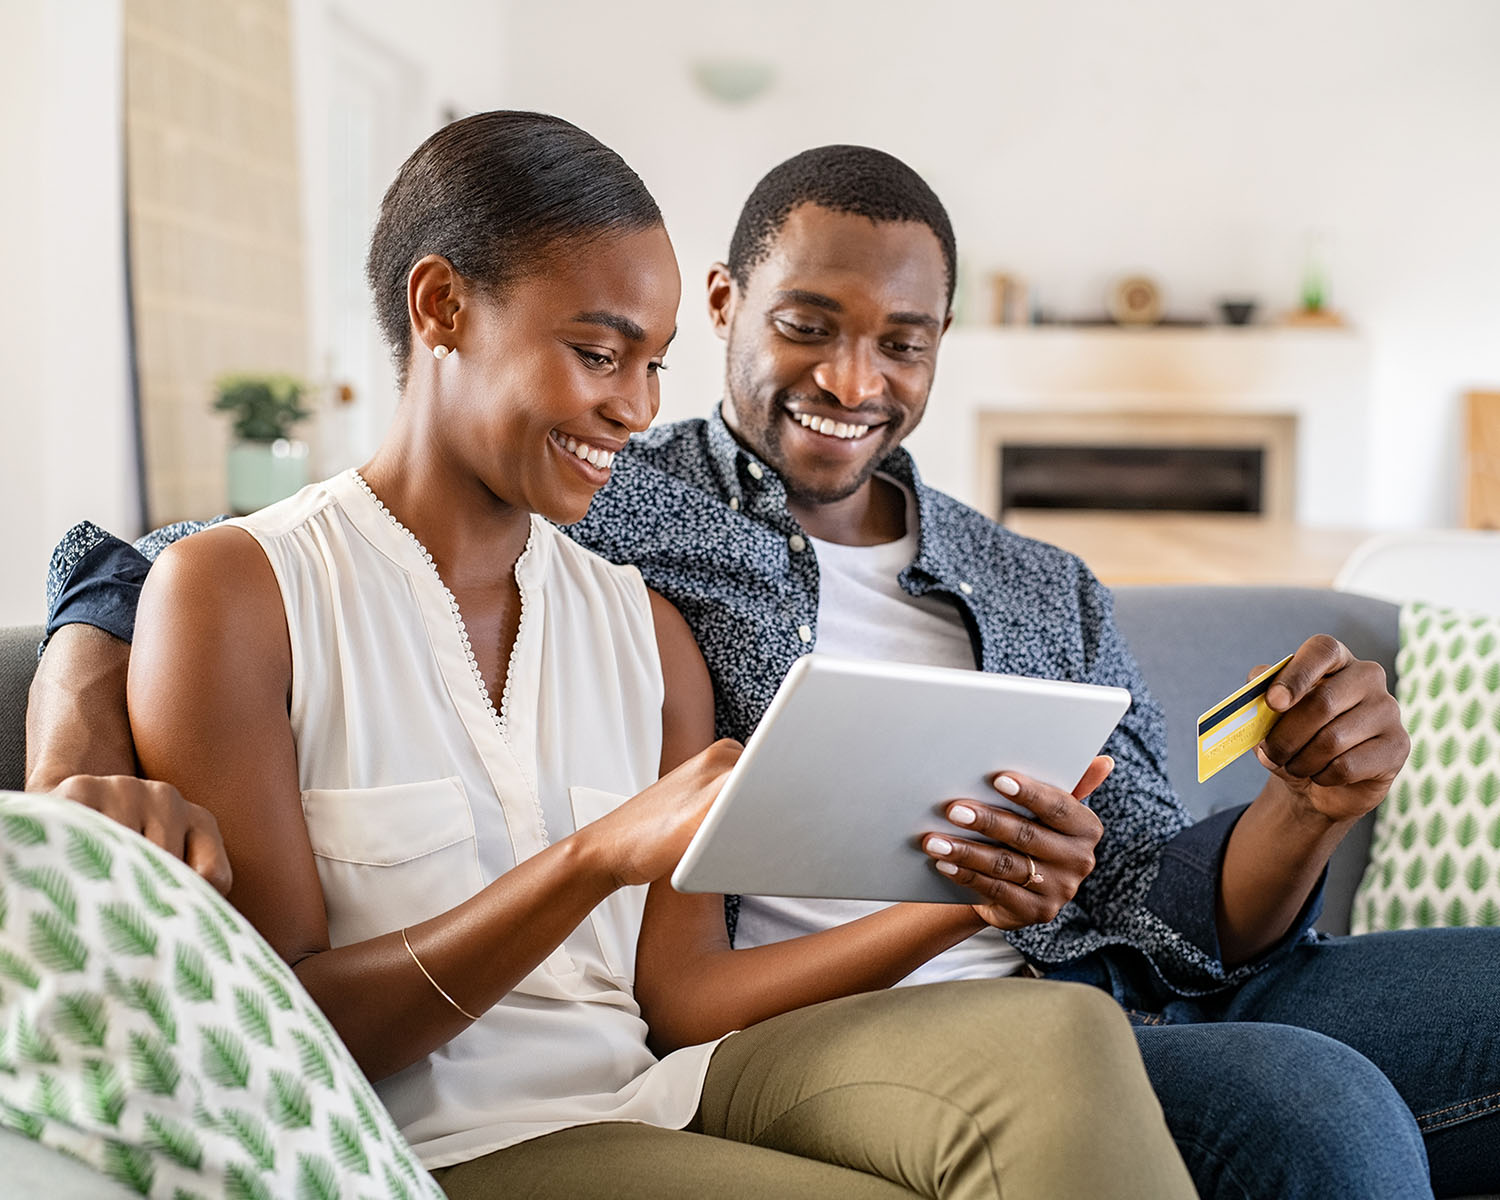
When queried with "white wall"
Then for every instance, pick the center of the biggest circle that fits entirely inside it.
(66, 436)
(1071, 141)
(444, 58)
(1077, 140)
(65, 429)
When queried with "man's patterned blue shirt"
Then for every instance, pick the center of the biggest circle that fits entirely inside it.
(707, 524)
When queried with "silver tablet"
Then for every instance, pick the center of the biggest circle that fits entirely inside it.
(854, 761)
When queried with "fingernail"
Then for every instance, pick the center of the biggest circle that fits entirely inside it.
(1006, 786)
(946, 867)
(962, 814)
(939, 845)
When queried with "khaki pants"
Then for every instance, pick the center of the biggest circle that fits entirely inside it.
(1012, 1087)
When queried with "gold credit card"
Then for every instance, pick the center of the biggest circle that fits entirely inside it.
(1237, 723)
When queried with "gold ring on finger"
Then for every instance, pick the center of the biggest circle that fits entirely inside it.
(1032, 874)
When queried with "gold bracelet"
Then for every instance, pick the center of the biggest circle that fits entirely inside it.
(405, 941)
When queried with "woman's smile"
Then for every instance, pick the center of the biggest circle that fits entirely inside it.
(591, 459)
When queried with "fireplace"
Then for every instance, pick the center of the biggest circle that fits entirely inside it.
(1299, 396)
(1203, 479)
(1134, 461)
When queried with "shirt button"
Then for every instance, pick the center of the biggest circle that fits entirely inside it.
(966, 588)
(804, 633)
(797, 542)
(734, 503)
(755, 471)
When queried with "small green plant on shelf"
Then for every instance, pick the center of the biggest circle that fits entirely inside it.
(264, 407)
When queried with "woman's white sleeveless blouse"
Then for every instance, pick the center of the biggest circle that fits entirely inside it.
(417, 794)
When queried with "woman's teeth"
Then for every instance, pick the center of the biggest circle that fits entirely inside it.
(831, 427)
(603, 459)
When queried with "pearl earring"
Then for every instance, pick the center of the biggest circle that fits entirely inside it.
(440, 352)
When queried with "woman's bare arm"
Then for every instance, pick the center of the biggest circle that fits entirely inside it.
(209, 683)
(691, 985)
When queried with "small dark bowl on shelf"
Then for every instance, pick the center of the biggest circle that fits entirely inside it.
(1237, 312)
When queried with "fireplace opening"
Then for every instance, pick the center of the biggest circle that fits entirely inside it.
(1133, 478)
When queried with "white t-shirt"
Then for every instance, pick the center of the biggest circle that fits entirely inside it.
(864, 613)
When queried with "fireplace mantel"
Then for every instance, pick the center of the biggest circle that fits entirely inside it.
(1106, 376)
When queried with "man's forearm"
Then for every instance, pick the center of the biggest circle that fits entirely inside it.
(76, 721)
(1272, 862)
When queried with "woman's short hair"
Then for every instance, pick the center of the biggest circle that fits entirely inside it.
(496, 194)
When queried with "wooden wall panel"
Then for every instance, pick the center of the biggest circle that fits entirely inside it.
(1482, 451)
(213, 196)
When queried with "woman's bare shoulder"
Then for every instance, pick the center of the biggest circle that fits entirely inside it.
(216, 590)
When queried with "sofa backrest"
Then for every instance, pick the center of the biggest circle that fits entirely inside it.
(1195, 645)
(17, 665)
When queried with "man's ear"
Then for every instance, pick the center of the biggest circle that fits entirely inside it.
(434, 302)
(723, 297)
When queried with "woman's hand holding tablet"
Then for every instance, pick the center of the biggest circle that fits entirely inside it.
(1027, 867)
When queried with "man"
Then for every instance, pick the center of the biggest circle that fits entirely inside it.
(1287, 1065)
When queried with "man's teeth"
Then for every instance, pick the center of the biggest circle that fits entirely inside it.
(829, 426)
(603, 459)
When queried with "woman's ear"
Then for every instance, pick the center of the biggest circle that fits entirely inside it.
(434, 302)
(723, 296)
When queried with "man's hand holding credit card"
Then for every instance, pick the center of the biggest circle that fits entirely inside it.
(1237, 723)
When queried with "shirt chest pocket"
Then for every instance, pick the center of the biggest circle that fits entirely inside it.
(389, 857)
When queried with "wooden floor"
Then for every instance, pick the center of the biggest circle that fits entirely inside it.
(1136, 548)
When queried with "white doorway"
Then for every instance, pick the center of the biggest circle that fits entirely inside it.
(374, 118)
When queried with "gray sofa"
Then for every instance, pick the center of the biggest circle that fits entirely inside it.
(1194, 644)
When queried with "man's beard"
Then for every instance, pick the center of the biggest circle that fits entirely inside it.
(771, 439)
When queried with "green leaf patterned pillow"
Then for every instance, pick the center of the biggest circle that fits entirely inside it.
(148, 1030)
(1435, 857)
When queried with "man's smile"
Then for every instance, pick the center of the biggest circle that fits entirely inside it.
(830, 427)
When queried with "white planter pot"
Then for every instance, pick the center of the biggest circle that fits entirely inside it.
(261, 473)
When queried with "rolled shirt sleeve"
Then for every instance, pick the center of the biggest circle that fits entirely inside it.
(95, 578)
(1156, 883)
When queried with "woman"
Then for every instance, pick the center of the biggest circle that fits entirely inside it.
(415, 710)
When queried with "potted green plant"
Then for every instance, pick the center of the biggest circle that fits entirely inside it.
(266, 463)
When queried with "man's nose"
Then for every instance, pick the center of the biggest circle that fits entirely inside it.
(852, 377)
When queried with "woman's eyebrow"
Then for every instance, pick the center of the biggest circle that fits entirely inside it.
(620, 324)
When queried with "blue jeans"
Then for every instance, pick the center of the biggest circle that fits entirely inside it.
(1363, 1067)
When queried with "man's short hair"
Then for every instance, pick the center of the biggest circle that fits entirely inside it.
(843, 179)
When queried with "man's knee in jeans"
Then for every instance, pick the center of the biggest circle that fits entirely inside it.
(1260, 1109)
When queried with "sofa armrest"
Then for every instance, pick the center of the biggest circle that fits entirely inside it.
(32, 1169)
(18, 645)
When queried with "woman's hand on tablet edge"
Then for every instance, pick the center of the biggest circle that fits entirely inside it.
(1039, 862)
(642, 840)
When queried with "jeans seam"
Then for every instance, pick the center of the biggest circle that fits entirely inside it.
(1486, 1105)
(941, 1099)
(1220, 1161)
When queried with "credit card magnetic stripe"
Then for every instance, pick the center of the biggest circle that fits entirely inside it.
(1234, 703)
